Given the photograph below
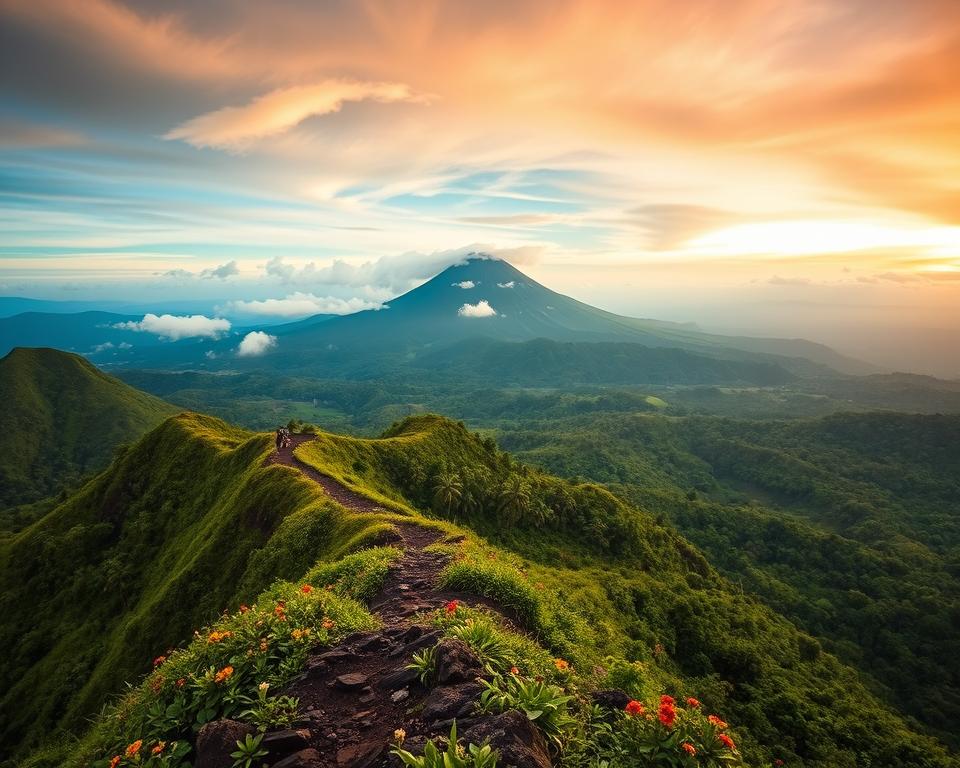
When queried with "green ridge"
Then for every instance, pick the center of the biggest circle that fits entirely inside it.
(61, 419)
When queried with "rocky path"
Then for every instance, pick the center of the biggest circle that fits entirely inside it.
(356, 695)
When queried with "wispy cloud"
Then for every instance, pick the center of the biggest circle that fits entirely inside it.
(301, 304)
(274, 113)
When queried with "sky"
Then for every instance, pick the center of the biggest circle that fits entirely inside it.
(772, 167)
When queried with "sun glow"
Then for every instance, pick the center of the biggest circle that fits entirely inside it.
(812, 236)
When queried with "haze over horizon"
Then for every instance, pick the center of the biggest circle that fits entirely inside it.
(762, 168)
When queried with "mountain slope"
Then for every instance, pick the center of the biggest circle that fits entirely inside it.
(588, 577)
(186, 521)
(543, 362)
(490, 298)
(63, 418)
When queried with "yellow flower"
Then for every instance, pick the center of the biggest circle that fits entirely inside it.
(561, 665)
(223, 674)
(297, 634)
(263, 687)
(398, 736)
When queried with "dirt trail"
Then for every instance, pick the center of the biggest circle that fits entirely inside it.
(356, 695)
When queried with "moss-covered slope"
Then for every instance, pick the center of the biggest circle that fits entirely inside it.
(181, 525)
(62, 418)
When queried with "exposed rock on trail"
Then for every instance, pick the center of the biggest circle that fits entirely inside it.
(355, 695)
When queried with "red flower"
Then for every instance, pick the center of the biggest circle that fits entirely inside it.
(667, 713)
(181, 681)
(306, 589)
(115, 761)
(727, 741)
(693, 703)
(633, 707)
(514, 671)
(778, 762)
(134, 749)
(244, 607)
(689, 748)
(159, 660)
(452, 606)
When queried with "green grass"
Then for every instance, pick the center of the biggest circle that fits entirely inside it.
(62, 418)
(186, 523)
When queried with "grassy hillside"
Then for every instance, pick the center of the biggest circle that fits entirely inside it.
(627, 587)
(604, 585)
(184, 523)
(62, 418)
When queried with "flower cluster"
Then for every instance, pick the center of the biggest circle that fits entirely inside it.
(669, 735)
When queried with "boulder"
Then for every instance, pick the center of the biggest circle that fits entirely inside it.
(456, 663)
(305, 758)
(361, 755)
(280, 743)
(217, 739)
(398, 678)
(517, 740)
(448, 701)
(610, 700)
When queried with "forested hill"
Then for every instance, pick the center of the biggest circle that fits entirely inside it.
(62, 418)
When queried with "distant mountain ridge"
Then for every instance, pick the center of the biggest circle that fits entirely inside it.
(481, 297)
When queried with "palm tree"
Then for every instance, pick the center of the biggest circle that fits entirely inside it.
(513, 500)
(447, 491)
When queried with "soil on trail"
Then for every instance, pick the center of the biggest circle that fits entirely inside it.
(355, 695)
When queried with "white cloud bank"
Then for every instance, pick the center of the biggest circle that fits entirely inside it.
(256, 343)
(176, 327)
(506, 285)
(302, 304)
(481, 309)
(465, 284)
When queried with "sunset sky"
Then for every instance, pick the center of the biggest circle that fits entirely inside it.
(771, 167)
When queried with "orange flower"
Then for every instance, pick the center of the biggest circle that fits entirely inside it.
(328, 623)
(727, 741)
(514, 671)
(689, 748)
(634, 707)
(216, 637)
(306, 589)
(280, 611)
(223, 674)
(114, 761)
(452, 606)
(716, 722)
(244, 608)
(157, 750)
(561, 665)
(693, 703)
(263, 645)
(181, 682)
(159, 660)
(297, 634)
(134, 748)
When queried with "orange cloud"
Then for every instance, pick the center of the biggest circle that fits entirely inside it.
(276, 112)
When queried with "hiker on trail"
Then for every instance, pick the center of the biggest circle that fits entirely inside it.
(280, 438)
